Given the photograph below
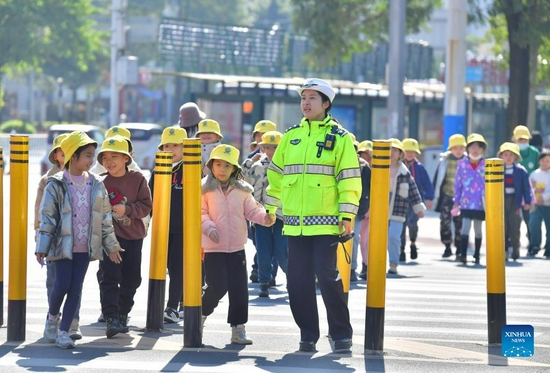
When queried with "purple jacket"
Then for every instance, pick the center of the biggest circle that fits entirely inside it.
(470, 185)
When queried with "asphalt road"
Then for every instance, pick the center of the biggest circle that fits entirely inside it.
(435, 320)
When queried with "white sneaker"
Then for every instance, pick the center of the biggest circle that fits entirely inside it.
(238, 335)
(171, 316)
(63, 340)
(74, 330)
(51, 328)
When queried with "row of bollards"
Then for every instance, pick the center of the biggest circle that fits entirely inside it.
(376, 276)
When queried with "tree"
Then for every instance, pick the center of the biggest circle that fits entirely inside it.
(339, 28)
(36, 33)
(523, 24)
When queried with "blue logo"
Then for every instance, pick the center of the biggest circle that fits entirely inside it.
(518, 341)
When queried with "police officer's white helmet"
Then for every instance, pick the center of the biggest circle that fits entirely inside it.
(319, 85)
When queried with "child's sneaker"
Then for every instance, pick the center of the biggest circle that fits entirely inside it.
(101, 318)
(238, 335)
(74, 330)
(414, 253)
(447, 253)
(402, 255)
(171, 316)
(63, 340)
(113, 327)
(264, 290)
(51, 328)
(124, 323)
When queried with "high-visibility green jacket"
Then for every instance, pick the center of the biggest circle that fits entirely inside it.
(316, 187)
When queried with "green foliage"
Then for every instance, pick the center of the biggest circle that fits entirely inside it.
(17, 126)
(339, 28)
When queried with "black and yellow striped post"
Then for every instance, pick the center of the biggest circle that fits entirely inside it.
(159, 241)
(19, 190)
(343, 261)
(192, 273)
(378, 243)
(1, 237)
(496, 256)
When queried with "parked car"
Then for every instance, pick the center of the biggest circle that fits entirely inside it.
(145, 139)
(55, 130)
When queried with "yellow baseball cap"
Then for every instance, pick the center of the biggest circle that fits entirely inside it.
(56, 145)
(116, 144)
(456, 140)
(226, 153)
(264, 126)
(475, 137)
(411, 145)
(522, 132)
(511, 147)
(271, 138)
(364, 146)
(172, 135)
(73, 141)
(209, 125)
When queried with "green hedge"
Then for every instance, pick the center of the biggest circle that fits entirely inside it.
(17, 126)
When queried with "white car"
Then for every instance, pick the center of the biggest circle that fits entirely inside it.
(145, 139)
(55, 130)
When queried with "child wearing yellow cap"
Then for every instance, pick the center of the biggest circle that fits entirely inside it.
(444, 191)
(125, 133)
(530, 160)
(57, 159)
(270, 242)
(74, 229)
(516, 190)
(227, 203)
(131, 201)
(172, 141)
(426, 189)
(210, 134)
(403, 193)
(540, 181)
(469, 199)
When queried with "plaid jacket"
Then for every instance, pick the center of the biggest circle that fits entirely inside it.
(404, 191)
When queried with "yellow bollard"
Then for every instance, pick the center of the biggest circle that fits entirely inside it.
(1, 238)
(19, 190)
(343, 261)
(159, 241)
(192, 273)
(496, 256)
(378, 247)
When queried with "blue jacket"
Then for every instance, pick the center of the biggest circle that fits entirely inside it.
(521, 185)
(422, 179)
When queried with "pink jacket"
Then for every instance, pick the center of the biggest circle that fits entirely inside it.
(227, 214)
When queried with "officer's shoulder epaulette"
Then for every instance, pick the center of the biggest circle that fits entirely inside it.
(293, 127)
(339, 130)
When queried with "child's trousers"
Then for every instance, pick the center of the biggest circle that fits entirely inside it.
(541, 213)
(226, 273)
(70, 274)
(120, 281)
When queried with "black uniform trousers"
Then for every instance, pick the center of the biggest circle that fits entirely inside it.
(311, 256)
(119, 282)
(226, 273)
(175, 269)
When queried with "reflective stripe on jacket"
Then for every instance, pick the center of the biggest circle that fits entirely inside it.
(317, 187)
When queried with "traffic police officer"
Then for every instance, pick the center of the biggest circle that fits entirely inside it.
(315, 176)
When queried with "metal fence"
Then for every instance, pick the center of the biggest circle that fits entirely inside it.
(38, 147)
